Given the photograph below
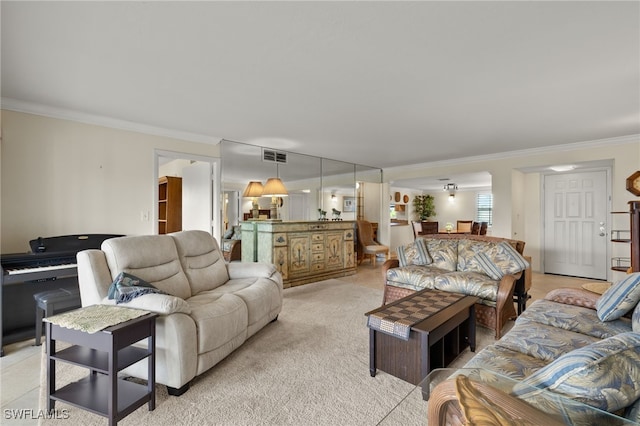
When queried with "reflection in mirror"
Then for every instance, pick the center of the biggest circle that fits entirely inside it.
(185, 193)
(368, 193)
(313, 184)
(338, 190)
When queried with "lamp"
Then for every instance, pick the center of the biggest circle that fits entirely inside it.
(452, 188)
(274, 188)
(253, 190)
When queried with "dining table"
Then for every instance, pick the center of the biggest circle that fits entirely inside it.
(453, 231)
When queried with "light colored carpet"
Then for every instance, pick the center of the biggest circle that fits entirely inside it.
(310, 367)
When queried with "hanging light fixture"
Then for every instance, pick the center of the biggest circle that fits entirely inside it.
(452, 188)
(253, 190)
(274, 188)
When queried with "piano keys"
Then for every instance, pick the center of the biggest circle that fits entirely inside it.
(30, 267)
(50, 266)
(40, 269)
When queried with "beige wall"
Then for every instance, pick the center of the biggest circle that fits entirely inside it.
(61, 177)
(463, 207)
(517, 195)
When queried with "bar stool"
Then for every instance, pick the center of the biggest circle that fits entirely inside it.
(52, 302)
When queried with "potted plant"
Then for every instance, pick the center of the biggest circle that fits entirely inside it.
(424, 206)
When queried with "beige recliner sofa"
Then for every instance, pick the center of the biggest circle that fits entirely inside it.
(210, 309)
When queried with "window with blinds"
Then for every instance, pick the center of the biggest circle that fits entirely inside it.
(484, 208)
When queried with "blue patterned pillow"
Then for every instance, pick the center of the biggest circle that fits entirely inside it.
(237, 233)
(635, 319)
(488, 266)
(415, 253)
(517, 262)
(604, 374)
(620, 298)
(501, 260)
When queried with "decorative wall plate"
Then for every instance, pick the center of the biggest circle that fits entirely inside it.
(397, 197)
(633, 183)
(406, 198)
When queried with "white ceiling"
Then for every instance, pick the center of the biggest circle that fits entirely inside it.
(382, 84)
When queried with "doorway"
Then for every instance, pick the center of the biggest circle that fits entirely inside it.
(575, 224)
(201, 202)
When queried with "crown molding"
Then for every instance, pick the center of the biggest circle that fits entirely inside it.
(521, 153)
(98, 120)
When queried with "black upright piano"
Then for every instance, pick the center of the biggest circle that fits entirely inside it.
(50, 265)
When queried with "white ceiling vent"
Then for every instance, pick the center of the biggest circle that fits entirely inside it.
(274, 156)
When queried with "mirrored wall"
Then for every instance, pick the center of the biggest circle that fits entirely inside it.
(314, 185)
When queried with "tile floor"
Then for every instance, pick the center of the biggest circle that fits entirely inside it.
(20, 367)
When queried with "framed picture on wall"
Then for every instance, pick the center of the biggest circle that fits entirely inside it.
(349, 204)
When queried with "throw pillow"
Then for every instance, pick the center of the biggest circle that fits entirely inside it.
(603, 374)
(517, 262)
(635, 319)
(501, 261)
(415, 253)
(620, 298)
(227, 235)
(237, 233)
(488, 266)
(127, 287)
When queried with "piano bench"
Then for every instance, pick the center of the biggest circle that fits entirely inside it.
(53, 302)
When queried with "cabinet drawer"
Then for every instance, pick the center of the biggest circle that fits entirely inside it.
(348, 235)
(316, 257)
(280, 239)
(317, 247)
(317, 237)
(317, 266)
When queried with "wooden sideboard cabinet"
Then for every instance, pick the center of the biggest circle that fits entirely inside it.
(303, 252)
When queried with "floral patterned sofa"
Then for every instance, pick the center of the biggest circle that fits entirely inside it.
(231, 244)
(476, 265)
(576, 343)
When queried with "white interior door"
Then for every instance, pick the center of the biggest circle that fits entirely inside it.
(575, 223)
(197, 197)
(298, 206)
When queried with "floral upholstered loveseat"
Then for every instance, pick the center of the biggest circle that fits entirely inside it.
(575, 343)
(231, 244)
(475, 265)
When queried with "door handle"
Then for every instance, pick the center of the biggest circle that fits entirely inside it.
(602, 233)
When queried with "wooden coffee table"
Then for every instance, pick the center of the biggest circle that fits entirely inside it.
(423, 331)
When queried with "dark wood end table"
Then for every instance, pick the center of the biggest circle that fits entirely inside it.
(104, 353)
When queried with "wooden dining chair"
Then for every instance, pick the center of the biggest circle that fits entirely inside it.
(430, 227)
(483, 228)
(367, 244)
(475, 228)
(464, 226)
